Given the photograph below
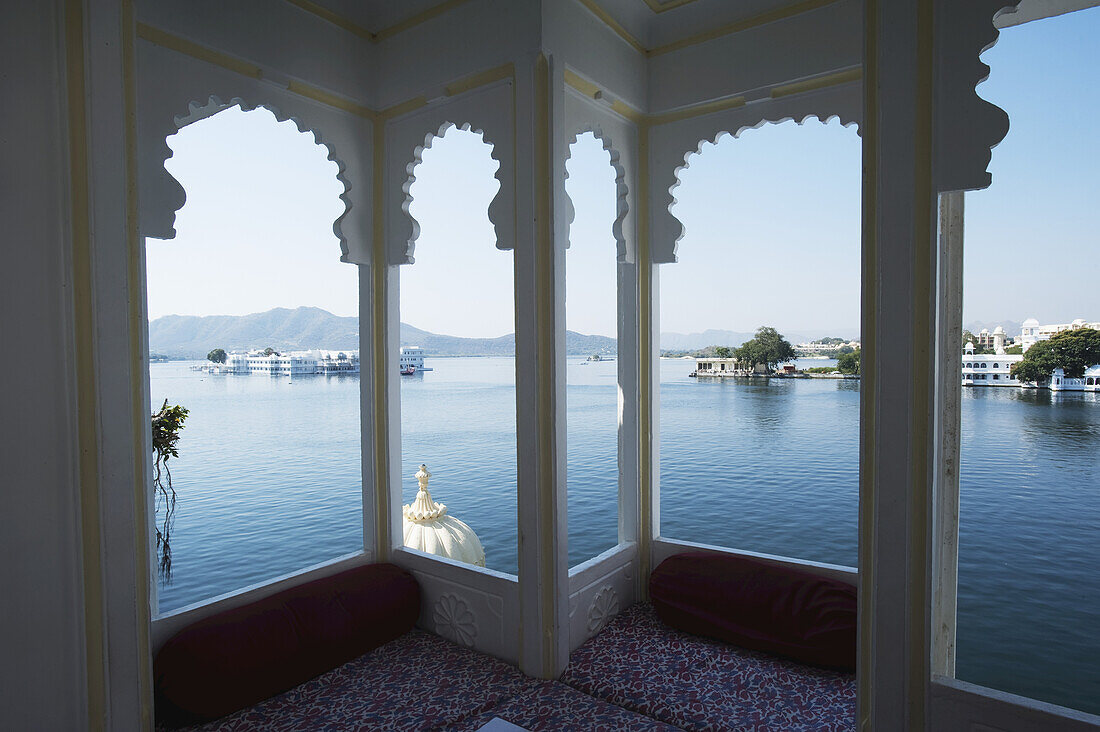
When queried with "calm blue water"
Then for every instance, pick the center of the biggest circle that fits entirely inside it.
(269, 483)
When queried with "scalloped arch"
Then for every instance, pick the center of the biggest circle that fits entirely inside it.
(412, 232)
(622, 207)
(198, 110)
(734, 133)
(843, 104)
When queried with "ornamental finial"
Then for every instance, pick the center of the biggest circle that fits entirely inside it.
(423, 508)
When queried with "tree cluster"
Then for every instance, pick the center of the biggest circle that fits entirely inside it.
(768, 348)
(848, 363)
(218, 355)
(1073, 351)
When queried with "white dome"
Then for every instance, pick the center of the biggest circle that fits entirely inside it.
(998, 329)
(1030, 323)
(428, 528)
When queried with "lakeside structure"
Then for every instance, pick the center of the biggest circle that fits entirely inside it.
(412, 357)
(292, 363)
(1031, 332)
(715, 366)
(995, 369)
(815, 348)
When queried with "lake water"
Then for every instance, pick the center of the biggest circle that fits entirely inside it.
(269, 482)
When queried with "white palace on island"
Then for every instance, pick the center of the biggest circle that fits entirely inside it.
(291, 363)
(995, 369)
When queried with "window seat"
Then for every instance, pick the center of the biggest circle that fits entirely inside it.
(282, 663)
(423, 682)
(639, 663)
(637, 674)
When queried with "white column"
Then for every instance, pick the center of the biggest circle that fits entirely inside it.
(540, 367)
(898, 327)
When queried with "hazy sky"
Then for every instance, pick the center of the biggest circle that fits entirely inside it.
(772, 218)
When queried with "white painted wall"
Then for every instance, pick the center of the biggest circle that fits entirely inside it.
(42, 683)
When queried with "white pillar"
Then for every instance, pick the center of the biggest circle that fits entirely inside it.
(540, 367)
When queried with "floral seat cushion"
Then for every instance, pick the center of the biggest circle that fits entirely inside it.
(552, 706)
(641, 664)
(417, 682)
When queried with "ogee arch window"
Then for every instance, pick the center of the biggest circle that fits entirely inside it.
(252, 329)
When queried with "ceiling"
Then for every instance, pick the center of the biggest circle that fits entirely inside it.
(652, 22)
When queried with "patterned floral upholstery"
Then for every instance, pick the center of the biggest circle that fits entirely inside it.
(552, 706)
(638, 674)
(417, 682)
(641, 664)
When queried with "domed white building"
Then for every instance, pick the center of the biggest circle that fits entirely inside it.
(428, 528)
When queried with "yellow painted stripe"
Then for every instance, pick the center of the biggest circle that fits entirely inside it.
(417, 19)
(231, 63)
(474, 81)
(329, 99)
(403, 108)
(463, 85)
(336, 19)
(195, 50)
(592, 91)
(696, 110)
(740, 25)
(820, 82)
(613, 24)
(83, 330)
(581, 84)
(138, 365)
(658, 7)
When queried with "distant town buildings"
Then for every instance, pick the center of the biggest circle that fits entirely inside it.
(1031, 332)
(996, 369)
(824, 346)
(997, 340)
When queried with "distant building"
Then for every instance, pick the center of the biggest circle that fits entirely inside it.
(997, 340)
(1031, 332)
(293, 363)
(989, 369)
(1090, 381)
(412, 356)
(814, 348)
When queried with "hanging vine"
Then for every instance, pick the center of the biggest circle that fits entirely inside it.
(167, 423)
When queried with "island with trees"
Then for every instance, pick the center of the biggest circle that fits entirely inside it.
(1072, 351)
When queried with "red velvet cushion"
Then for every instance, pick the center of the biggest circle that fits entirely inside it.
(242, 656)
(759, 606)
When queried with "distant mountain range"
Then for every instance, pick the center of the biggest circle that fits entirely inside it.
(1012, 327)
(299, 329)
